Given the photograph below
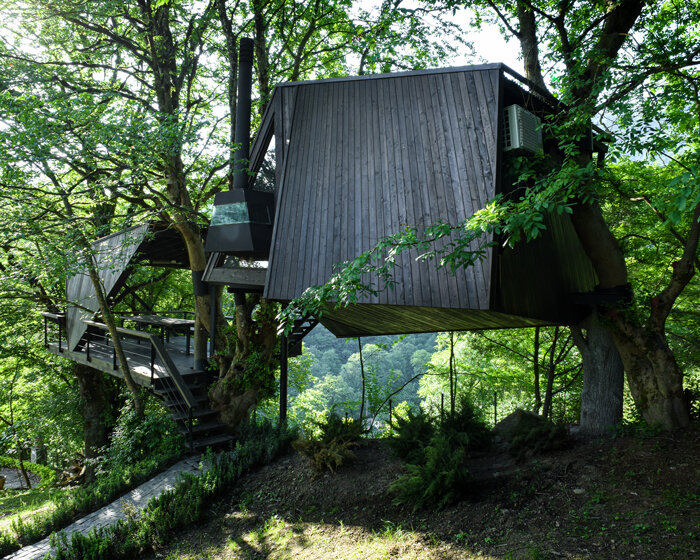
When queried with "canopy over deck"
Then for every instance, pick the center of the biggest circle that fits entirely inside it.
(114, 256)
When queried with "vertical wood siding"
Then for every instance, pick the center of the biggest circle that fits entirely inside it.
(367, 157)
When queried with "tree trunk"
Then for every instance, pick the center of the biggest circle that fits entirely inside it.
(247, 374)
(111, 324)
(536, 370)
(362, 373)
(94, 407)
(653, 376)
(603, 378)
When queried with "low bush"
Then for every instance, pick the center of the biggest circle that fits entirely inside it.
(412, 433)
(179, 507)
(332, 448)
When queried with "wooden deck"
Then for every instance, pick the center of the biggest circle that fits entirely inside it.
(101, 357)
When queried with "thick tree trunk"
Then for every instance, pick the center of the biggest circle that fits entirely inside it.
(603, 378)
(247, 374)
(653, 376)
(94, 406)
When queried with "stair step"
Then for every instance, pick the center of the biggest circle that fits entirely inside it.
(166, 392)
(197, 413)
(203, 427)
(212, 441)
(191, 378)
(178, 402)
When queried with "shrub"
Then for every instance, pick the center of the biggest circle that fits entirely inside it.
(179, 507)
(137, 452)
(436, 482)
(436, 475)
(331, 449)
(412, 434)
(466, 426)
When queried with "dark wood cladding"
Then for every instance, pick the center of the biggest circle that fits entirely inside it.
(364, 158)
(359, 159)
(367, 320)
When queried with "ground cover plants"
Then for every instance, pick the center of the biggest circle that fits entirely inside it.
(181, 506)
(624, 497)
(138, 451)
(435, 451)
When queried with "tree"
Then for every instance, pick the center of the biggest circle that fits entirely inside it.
(605, 67)
(120, 106)
(597, 67)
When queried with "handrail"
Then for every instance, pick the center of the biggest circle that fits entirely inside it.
(156, 343)
(54, 316)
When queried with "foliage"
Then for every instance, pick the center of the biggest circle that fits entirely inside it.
(412, 433)
(436, 475)
(137, 452)
(181, 506)
(154, 438)
(439, 480)
(539, 439)
(466, 425)
(332, 447)
(46, 474)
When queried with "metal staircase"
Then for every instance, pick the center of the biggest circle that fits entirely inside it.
(197, 423)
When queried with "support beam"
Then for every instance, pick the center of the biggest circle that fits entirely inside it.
(283, 379)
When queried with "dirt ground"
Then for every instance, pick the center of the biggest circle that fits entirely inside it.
(633, 497)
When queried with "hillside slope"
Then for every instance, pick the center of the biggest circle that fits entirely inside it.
(623, 498)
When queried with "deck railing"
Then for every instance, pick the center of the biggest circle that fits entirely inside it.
(97, 338)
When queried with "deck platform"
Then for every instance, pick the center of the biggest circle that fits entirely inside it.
(101, 357)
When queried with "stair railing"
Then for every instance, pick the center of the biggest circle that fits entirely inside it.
(172, 377)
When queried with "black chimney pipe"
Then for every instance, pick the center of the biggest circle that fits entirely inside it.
(243, 109)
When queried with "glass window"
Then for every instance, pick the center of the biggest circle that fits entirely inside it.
(240, 213)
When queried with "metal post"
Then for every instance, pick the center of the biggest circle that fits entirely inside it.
(60, 336)
(213, 305)
(283, 378)
(495, 410)
(114, 357)
(46, 332)
(190, 430)
(87, 345)
(153, 361)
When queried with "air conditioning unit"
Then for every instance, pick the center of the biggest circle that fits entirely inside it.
(521, 129)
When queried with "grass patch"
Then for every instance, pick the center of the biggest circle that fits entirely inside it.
(29, 503)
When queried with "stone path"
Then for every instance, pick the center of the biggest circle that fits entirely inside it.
(110, 514)
(15, 480)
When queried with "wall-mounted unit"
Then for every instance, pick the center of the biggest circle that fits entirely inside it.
(521, 130)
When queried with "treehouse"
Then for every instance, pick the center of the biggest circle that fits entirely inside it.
(357, 159)
(338, 165)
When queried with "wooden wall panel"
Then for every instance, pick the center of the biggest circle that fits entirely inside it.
(368, 157)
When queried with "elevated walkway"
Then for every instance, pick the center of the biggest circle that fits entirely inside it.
(159, 362)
